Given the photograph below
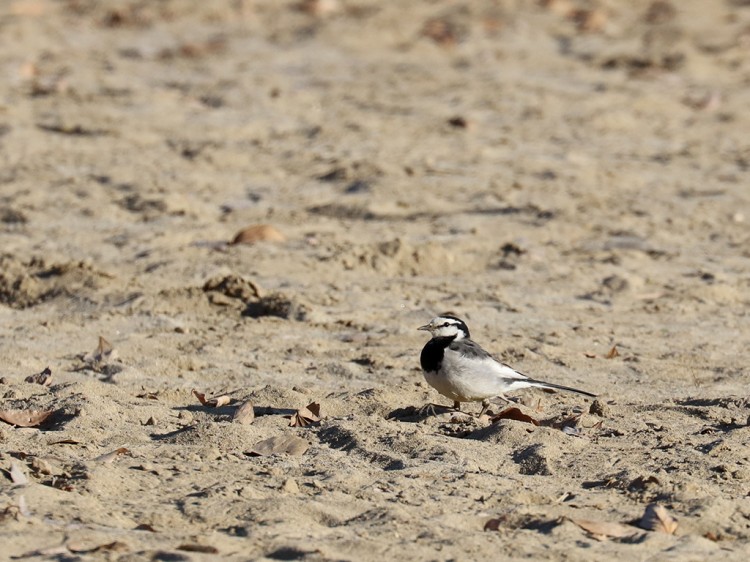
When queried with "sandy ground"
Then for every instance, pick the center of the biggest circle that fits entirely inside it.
(569, 177)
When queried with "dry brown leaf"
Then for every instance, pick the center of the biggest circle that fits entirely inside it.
(603, 530)
(308, 415)
(215, 402)
(495, 524)
(513, 414)
(245, 414)
(44, 378)
(612, 353)
(18, 474)
(568, 424)
(25, 418)
(109, 457)
(289, 444)
(258, 233)
(104, 353)
(657, 518)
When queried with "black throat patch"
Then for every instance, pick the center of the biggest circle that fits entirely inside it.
(433, 352)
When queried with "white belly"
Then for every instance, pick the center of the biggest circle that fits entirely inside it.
(464, 380)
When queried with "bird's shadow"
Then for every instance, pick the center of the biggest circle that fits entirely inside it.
(412, 414)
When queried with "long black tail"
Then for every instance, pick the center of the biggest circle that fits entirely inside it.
(542, 384)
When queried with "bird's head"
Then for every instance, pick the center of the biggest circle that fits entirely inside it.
(447, 326)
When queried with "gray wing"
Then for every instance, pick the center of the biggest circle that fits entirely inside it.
(469, 348)
(472, 350)
(503, 377)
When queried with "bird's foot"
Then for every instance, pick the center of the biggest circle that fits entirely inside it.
(432, 409)
(485, 406)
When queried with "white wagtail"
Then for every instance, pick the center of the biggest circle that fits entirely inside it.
(459, 369)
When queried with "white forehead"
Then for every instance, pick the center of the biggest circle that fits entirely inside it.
(442, 326)
(441, 320)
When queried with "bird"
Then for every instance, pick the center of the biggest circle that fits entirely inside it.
(460, 369)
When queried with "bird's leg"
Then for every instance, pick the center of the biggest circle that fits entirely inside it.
(485, 407)
(457, 405)
(430, 409)
(486, 403)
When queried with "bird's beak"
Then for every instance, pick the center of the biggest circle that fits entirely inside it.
(426, 328)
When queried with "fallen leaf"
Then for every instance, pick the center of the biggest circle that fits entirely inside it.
(25, 418)
(17, 474)
(109, 457)
(245, 414)
(568, 424)
(258, 233)
(602, 530)
(513, 414)
(215, 402)
(308, 415)
(657, 518)
(612, 353)
(104, 353)
(44, 378)
(198, 548)
(495, 524)
(289, 444)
